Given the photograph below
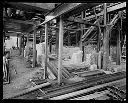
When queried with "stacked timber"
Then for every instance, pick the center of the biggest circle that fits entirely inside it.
(118, 90)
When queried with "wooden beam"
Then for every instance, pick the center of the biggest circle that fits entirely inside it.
(46, 50)
(60, 51)
(62, 9)
(109, 9)
(21, 21)
(84, 22)
(98, 34)
(90, 29)
(34, 48)
(28, 90)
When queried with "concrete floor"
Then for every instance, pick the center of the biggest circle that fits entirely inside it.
(19, 76)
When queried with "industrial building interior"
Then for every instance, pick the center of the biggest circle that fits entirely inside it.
(64, 51)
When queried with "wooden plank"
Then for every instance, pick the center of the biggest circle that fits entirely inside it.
(89, 73)
(51, 74)
(72, 94)
(60, 51)
(46, 50)
(84, 84)
(55, 67)
(90, 30)
(27, 90)
(64, 74)
(103, 97)
(42, 92)
(92, 96)
(64, 69)
(51, 68)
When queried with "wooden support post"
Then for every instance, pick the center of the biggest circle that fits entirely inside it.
(34, 48)
(68, 39)
(105, 40)
(27, 38)
(20, 41)
(57, 43)
(50, 42)
(23, 45)
(118, 39)
(46, 50)
(109, 19)
(41, 36)
(81, 44)
(76, 39)
(3, 43)
(118, 46)
(60, 51)
(17, 41)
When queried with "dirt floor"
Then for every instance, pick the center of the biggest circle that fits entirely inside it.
(19, 75)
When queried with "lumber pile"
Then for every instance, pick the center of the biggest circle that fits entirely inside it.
(118, 90)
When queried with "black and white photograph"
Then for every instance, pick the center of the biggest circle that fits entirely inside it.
(64, 51)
